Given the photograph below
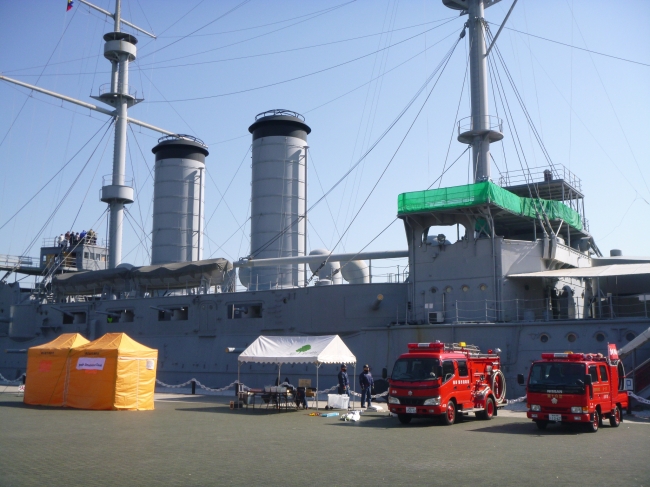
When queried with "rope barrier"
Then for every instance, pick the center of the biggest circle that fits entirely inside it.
(229, 386)
(19, 379)
(513, 401)
(642, 400)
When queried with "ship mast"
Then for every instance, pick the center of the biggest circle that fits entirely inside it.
(480, 129)
(120, 50)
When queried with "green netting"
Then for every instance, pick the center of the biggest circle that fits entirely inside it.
(482, 193)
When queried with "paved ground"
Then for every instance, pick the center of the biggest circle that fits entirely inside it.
(198, 440)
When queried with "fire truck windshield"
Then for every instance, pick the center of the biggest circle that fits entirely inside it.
(566, 376)
(416, 369)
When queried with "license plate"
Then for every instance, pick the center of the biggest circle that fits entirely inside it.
(555, 417)
(411, 410)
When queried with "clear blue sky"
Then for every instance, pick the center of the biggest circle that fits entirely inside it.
(591, 110)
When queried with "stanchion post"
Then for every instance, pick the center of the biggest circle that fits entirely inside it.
(193, 387)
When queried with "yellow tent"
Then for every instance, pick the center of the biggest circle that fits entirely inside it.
(112, 372)
(46, 370)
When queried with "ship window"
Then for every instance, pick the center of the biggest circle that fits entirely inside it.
(543, 338)
(462, 368)
(630, 336)
(173, 314)
(571, 337)
(600, 337)
(243, 311)
(86, 255)
(483, 287)
(603, 373)
(465, 288)
(449, 289)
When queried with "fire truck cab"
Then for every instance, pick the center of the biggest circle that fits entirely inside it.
(446, 380)
(576, 388)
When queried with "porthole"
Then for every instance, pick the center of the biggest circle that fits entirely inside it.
(483, 287)
(433, 290)
(571, 337)
(600, 336)
(465, 288)
(449, 289)
(629, 336)
(543, 338)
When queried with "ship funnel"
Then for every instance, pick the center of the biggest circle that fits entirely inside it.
(278, 197)
(177, 233)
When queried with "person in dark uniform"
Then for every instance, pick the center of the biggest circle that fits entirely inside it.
(344, 381)
(366, 381)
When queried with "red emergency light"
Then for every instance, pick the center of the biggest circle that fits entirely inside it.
(566, 355)
(431, 346)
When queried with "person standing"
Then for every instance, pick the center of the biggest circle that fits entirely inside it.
(366, 381)
(344, 381)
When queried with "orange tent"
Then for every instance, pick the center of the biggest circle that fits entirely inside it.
(46, 370)
(112, 372)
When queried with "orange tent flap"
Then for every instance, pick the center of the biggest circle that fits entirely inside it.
(112, 372)
(46, 370)
(63, 342)
(116, 341)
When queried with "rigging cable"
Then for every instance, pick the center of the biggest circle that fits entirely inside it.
(329, 68)
(39, 77)
(370, 149)
(442, 70)
(56, 174)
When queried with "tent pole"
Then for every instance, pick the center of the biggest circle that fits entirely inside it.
(354, 386)
(238, 379)
(317, 367)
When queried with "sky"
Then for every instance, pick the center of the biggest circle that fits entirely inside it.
(351, 68)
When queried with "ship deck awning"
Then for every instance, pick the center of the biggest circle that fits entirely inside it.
(614, 270)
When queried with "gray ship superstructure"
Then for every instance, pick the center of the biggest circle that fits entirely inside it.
(524, 275)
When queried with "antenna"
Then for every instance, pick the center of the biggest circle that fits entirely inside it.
(480, 129)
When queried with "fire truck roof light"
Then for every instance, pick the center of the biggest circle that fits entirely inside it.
(463, 344)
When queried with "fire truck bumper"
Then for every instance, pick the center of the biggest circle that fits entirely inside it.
(565, 417)
(418, 410)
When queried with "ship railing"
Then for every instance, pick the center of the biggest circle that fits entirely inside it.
(122, 89)
(17, 260)
(551, 309)
(540, 174)
(485, 122)
(107, 180)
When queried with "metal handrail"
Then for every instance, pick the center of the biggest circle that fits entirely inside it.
(540, 174)
(468, 124)
(181, 137)
(107, 180)
(122, 89)
(279, 111)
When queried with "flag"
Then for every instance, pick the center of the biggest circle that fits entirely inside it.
(69, 7)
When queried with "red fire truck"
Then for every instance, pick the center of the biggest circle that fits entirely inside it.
(576, 388)
(446, 380)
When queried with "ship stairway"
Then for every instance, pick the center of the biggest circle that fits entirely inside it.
(638, 341)
(641, 375)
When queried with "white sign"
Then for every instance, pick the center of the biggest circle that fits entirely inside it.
(90, 363)
(629, 384)
(150, 364)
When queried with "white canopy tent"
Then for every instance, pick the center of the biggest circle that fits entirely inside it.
(315, 350)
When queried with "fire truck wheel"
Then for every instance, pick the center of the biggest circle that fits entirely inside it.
(592, 427)
(541, 424)
(449, 417)
(404, 418)
(615, 417)
(489, 410)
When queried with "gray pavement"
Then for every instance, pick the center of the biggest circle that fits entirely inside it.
(198, 440)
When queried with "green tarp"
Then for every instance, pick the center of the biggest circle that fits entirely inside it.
(483, 193)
